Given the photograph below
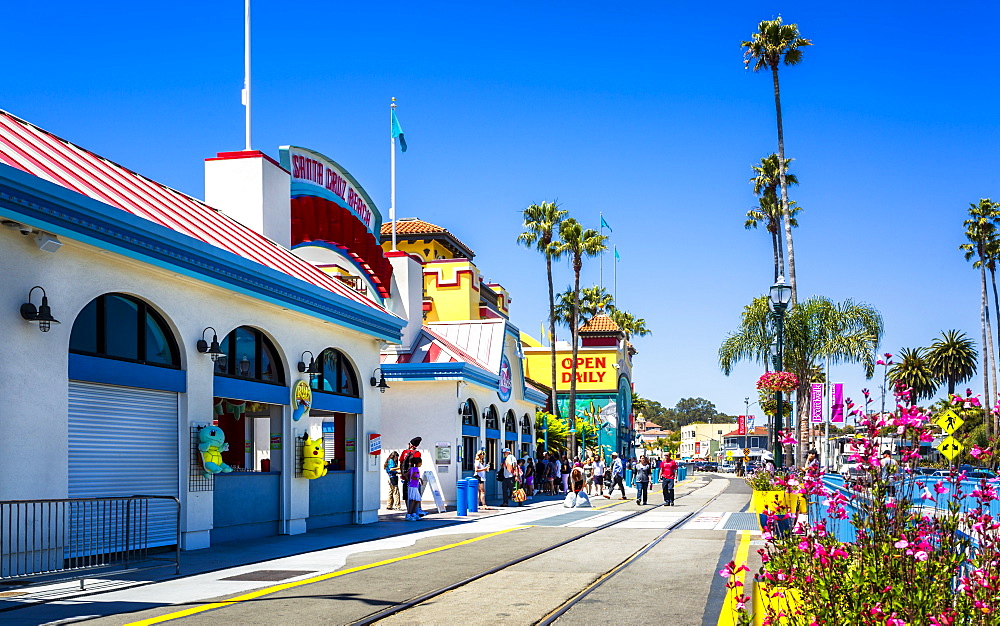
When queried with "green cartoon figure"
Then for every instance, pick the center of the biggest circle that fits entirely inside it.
(213, 444)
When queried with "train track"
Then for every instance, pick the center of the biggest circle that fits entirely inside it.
(563, 608)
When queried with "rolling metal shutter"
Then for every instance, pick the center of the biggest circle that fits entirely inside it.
(123, 442)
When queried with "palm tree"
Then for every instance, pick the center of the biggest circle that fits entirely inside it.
(593, 301)
(540, 223)
(774, 43)
(577, 243)
(952, 358)
(980, 230)
(815, 330)
(913, 371)
(768, 212)
(630, 325)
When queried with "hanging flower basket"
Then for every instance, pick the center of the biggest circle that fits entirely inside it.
(770, 407)
(778, 381)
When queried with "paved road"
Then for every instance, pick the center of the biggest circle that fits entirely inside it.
(672, 584)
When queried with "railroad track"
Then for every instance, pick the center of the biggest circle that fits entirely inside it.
(568, 604)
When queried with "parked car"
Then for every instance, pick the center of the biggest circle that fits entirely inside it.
(727, 468)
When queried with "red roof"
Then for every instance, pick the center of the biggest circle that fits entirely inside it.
(38, 152)
(758, 431)
(600, 323)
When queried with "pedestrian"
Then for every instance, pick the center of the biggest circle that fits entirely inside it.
(617, 475)
(413, 490)
(577, 478)
(888, 472)
(564, 473)
(599, 474)
(588, 467)
(509, 472)
(529, 476)
(481, 467)
(668, 474)
(391, 468)
(556, 473)
(405, 463)
(641, 474)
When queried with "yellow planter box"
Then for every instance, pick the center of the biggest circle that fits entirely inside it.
(778, 501)
(763, 599)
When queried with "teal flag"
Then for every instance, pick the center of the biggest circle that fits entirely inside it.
(617, 258)
(604, 224)
(397, 132)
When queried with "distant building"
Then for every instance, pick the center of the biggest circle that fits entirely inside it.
(702, 441)
(756, 439)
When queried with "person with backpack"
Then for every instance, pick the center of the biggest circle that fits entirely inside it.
(391, 468)
(508, 473)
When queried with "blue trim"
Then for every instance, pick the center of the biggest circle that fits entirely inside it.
(534, 396)
(340, 404)
(470, 431)
(251, 390)
(441, 371)
(95, 369)
(492, 434)
(53, 208)
(525, 438)
(509, 436)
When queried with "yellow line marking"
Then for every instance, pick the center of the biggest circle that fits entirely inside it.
(604, 506)
(728, 615)
(315, 579)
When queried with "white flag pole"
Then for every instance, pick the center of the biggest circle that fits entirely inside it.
(392, 171)
(601, 283)
(246, 67)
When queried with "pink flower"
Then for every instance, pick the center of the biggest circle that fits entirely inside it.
(940, 488)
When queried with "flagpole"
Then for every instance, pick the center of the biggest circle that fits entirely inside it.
(602, 251)
(246, 67)
(616, 275)
(392, 168)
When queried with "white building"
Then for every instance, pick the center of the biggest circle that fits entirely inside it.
(109, 401)
(702, 441)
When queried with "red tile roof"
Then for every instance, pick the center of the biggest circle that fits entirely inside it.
(600, 323)
(758, 431)
(35, 151)
(416, 226)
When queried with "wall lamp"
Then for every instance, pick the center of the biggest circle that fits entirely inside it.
(212, 349)
(41, 315)
(312, 369)
(379, 381)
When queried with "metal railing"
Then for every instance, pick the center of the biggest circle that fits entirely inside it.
(76, 538)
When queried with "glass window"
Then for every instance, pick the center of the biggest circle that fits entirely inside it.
(119, 326)
(510, 422)
(469, 453)
(245, 352)
(492, 446)
(492, 418)
(250, 354)
(525, 425)
(470, 417)
(336, 375)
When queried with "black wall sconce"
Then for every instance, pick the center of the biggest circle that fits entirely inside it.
(212, 349)
(312, 369)
(379, 381)
(41, 315)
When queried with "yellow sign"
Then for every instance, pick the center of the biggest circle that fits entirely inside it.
(729, 454)
(595, 369)
(949, 421)
(950, 447)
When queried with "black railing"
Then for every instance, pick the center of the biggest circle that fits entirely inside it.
(76, 538)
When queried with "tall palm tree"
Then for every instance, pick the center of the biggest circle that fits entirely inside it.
(576, 242)
(631, 325)
(540, 223)
(980, 230)
(768, 212)
(773, 43)
(952, 358)
(815, 330)
(914, 372)
(593, 301)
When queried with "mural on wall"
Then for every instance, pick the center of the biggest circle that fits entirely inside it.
(605, 405)
(313, 463)
(212, 445)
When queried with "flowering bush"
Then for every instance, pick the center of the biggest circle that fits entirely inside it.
(778, 381)
(762, 480)
(895, 548)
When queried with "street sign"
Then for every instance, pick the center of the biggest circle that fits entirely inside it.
(949, 421)
(729, 454)
(950, 447)
(746, 452)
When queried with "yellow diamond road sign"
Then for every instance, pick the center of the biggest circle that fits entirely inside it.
(950, 447)
(949, 421)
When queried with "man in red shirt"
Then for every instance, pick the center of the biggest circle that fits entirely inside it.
(668, 473)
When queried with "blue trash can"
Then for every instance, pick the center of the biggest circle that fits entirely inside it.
(473, 494)
(462, 497)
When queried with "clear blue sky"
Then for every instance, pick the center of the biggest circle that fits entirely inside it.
(643, 112)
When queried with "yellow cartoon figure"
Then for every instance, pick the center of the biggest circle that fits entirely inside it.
(313, 463)
(212, 445)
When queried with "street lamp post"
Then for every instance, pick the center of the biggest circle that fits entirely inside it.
(778, 298)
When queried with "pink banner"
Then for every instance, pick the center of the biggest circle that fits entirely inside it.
(837, 404)
(741, 424)
(816, 403)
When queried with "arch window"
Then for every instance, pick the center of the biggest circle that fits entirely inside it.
(492, 418)
(118, 326)
(525, 425)
(336, 375)
(250, 354)
(469, 415)
(510, 422)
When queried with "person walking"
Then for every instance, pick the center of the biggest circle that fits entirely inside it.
(588, 467)
(509, 473)
(564, 473)
(599, 474)
(668, 475)
(529, 477)
(642, 472)
(617, 475)
(391, 468)
(413, 490)
(481, 467)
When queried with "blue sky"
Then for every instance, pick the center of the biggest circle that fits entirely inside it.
(644, 112)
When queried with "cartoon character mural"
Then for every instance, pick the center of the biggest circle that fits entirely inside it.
(212, 445)
(313, 463)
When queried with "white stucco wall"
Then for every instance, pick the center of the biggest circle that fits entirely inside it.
(34, 370)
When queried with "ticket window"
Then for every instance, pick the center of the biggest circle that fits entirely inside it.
(339, 440)
(253, 432)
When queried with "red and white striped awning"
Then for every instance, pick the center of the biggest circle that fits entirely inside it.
(38, 152)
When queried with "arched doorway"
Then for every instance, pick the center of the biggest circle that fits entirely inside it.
(124, 377)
